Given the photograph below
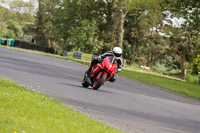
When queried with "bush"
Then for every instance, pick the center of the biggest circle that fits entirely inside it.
(192, 78)
(142, 61)
(196, 65)
(10, 34)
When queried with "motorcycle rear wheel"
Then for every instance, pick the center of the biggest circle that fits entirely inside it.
(99, 82)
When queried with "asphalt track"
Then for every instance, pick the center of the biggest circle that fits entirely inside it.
(126, 104)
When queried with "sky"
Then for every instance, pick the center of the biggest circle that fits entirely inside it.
(6, 1)
(23, 9)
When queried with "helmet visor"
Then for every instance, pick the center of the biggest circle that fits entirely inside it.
(117, 55)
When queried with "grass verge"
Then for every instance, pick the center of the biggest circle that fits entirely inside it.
(22, 110)
(178, 86)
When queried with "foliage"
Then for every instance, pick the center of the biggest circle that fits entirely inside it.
(74, 13)
(196, 65)
(192, 78)
(12, 21)
(10, 34)
(15, 28)
(127, 51)
(184, 37)
(43, 23)
(3, 29)
(85, 37)
(3, 25)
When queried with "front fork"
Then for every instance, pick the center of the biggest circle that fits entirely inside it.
(92, 79)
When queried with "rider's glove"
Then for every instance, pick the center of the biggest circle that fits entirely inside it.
(99, 59)
(118, 70)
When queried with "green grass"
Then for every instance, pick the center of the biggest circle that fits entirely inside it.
(22, 110)
(178, 86)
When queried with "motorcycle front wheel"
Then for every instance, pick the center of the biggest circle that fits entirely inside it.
(99, 81)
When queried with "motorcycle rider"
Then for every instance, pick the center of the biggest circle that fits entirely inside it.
(116, 53)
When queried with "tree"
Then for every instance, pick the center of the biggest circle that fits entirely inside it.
(184, 38)
(85, 37)
(3, 29)
(15, 28)
(134, 32)
(76, 11)
(142, 25)
(121, 13)
(155, 43)
(196, 65)
(3, 25)
(10, 34)
(13, 21)
(44, 21)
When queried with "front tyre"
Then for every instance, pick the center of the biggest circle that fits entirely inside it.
(99, 81)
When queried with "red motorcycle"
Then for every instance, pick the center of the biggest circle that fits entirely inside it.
(101, 72)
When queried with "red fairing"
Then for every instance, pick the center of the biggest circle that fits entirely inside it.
(109, 66)
(96, 68)
(104, 67)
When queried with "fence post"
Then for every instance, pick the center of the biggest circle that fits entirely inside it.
(64, 53)
(199, 78)
(124, 62)
(7, 42)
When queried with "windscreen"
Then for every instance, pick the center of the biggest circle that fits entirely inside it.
(112, 59)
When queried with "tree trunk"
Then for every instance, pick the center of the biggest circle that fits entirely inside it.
(182, 63)
(149, 59)
(49, 43)
(133, 51)
(120, 26)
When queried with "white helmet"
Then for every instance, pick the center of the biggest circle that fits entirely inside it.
(117, 51)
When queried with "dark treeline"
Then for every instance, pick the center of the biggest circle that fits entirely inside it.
(146, 30)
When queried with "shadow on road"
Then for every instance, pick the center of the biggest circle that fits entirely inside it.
(89, 88)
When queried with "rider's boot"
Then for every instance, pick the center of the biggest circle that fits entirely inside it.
(87, 75)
